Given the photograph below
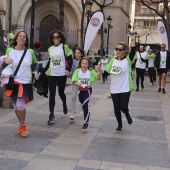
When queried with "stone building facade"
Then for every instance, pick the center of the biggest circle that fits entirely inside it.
(47, 15)
(145, 24)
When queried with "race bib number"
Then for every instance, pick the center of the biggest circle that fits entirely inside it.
(85, 82)
(116, 70)
(163, 63)
(56, 63)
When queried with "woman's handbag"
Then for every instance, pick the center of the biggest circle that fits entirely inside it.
(10, 85)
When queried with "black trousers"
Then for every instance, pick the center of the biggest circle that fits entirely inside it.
(84, 97)
(104, 77)
(152, 74)
(53, 81)
(139, 74)
(120, 103)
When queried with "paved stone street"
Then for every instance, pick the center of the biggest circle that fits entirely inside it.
(144, 145)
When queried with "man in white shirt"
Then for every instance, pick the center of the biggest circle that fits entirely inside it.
(162, 64)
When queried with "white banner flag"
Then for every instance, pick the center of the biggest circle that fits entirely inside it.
(163, 33)
(93, 26)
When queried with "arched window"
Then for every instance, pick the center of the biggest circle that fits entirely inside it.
(48, 24)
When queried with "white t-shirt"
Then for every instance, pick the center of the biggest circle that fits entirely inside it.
(24, 74)
(103, 63)
(5, 39)
(84, 78)
(163, 56)
(119, 81)
(57, 63)
(150, 61)
(139, 63)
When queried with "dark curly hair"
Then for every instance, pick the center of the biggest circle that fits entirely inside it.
(63, 38)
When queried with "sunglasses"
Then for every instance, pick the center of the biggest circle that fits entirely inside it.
(56, 36)
(118, 49)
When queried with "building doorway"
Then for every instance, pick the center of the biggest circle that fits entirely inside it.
(48, 24)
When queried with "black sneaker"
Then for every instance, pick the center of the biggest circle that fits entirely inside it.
(129, 119)
(142, 86)
(159, 90)
(119, 128)
(163, 91)
(137, 90)
(65, 109)
(85, 126)
(51, 119)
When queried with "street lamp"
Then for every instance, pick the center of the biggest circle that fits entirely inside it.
(147, 33)
(129, 27)
(138, 37)
(135, 34)
(88, 5)
(109, 20)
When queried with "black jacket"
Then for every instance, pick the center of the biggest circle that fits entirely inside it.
(157, 60)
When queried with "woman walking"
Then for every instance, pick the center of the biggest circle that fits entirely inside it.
(151, 67)
(22, 90)
(103, 63)
(121, 81)
(141, 59)
(58, 68)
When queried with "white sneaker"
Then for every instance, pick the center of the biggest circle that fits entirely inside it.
(154, 82)
(71, 117)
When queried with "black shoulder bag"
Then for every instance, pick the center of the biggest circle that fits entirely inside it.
(143, 60)
(10, 84)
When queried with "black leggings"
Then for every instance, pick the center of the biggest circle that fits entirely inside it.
(152, 74)
(139, 74)
(84, 97)
(53, 81)
(104, 77)
(120, 103)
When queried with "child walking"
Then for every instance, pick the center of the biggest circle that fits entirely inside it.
(83, 77)
(151, 67)
(103, 63)
(78, 54)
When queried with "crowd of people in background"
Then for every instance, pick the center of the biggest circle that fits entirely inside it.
(64, 61)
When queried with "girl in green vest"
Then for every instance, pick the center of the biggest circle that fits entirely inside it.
(83, 77)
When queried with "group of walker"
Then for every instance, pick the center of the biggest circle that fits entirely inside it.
(58, 68)
(154, 64)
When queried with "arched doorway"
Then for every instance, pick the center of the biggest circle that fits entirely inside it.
(48, 24)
